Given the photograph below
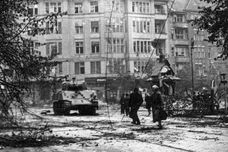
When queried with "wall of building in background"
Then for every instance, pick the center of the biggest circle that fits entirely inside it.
(80, 39)
(182, 35)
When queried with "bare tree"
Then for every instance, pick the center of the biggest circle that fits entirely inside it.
(18, 64)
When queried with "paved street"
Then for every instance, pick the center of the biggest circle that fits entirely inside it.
(109, 131)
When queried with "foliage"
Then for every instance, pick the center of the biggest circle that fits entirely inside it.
(18, 64)
(214, 19)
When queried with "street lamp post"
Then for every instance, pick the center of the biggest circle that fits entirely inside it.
(224, 82)
(192, 69)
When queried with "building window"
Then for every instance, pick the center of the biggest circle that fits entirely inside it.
(33, 47)
(148, 27)
(36, 48)
(118, 65)
(139, 66)
(30, 44)
(140, 7)
(95, 67)
(47, 7)
(118, 45)
(117, 27)
(133, 6)
(134, 26)
(135, 46)
(138, 47)
(179, 18)
(114, 45)
(147, 7)
(117, 6)
(145, 47)
(53, 28)
(142, 46)
(142, 26)
(110, 66)
(95, 47)
(159, 27)
(94, 6)
(199, 35)
(79, 47)
(159, 9)
(79, 68)
(200, 51)
(181, 33)
(78, 8)
(94, 26)
(33, 30)
(53, 48)
(181, 51)
(60, 68)
(78, 28)
(122, 46)
(33, 10)
(53, 7)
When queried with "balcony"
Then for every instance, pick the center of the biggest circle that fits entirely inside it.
(119, 35)
(160, 16)
(181, 24)
(52, 36)
(181, 42)
(161, 36)
(182, 59)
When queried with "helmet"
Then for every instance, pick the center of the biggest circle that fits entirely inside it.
(155, 87)
(204, 88)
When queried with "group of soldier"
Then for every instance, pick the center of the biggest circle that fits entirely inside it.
(130, 104)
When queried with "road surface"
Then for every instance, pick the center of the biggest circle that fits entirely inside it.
(109, 131)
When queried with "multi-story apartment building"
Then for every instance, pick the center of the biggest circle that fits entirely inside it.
(179, 38)
(99, 39)
(189, 43)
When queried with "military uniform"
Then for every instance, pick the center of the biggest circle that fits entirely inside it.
(135, 102)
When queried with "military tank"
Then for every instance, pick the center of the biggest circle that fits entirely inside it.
(75, 97)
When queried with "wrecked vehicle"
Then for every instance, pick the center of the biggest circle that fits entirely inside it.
(75, 97)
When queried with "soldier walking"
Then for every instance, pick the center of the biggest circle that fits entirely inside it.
(135, 102)
(156, 105)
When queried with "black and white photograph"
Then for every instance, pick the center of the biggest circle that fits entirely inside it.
(113, 75)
